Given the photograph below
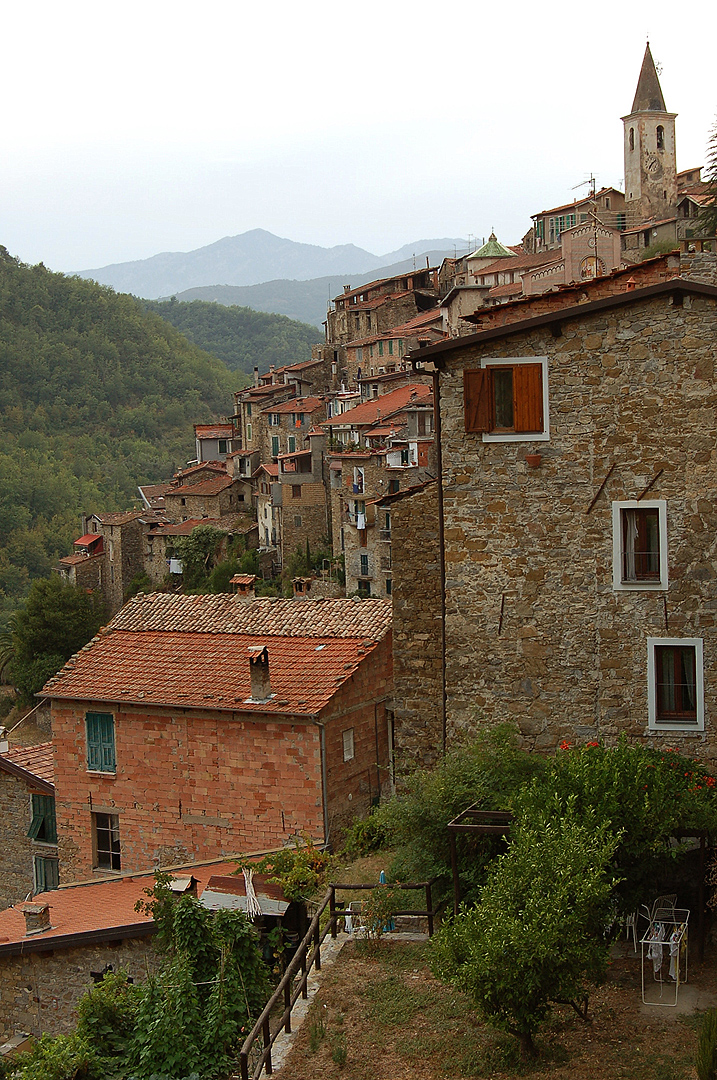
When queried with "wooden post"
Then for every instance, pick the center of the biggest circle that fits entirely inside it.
(454, 869)
(267, 1047)
(305, 988)
(287, 1007)
(317, 944)
(429, 908)
(332, 910)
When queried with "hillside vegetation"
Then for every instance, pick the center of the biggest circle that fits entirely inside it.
(96, 397)
(242, 338)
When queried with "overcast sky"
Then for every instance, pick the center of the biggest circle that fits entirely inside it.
(129, 129)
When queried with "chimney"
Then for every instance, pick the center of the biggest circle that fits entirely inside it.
(272, 373)
(243, 587)
(37, 918)
(630, 284)
(302, 587)
(256, 376)
(259, 668)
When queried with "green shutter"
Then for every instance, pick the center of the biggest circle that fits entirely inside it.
(100, 742)
(43, 826)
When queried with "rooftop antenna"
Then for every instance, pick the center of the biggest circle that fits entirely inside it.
(414, 260)
(593, 214)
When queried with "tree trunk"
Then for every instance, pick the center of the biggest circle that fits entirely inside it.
(528, 1049)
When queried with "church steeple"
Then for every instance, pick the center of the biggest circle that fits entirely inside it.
(650, 159)
(648, 96)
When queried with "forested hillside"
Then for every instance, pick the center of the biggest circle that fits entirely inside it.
(241, 337)
(96, 397)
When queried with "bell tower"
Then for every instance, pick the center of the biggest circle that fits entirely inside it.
(650, 158)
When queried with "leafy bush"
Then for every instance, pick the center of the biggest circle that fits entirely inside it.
(298, 869)
(646, 795)
(537, 935)
(365, 836)
(107, 1015)
(706, 1063)
(64, 1057)
(377, 912)
(488, 773)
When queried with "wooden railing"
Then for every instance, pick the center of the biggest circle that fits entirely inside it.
(306, 957)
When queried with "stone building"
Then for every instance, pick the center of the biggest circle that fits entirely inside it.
(214, 441)
(577, 509)
(268, 508)
(302, 498)
(28, 855)
(194, 727)
(284, 427)
(380, 305)
(215, 497)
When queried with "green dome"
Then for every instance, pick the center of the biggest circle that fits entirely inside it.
(492, 250)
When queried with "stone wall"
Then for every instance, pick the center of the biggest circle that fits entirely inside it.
(40, 990)
(304, 517)
(16, 879)
(417, 647)
(536, 634)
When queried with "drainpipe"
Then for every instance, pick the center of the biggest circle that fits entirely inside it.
(441, 549)
(324, 786)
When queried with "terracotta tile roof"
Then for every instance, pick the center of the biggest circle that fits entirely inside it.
(242, 579)
(381, 407)
(120, 518)
(575, 205)
(271, 468)
(266, 616)
(296, 405)
(213, 485)
(210, 670)
(204, 466)
(301, 366)
(37, 760)
(649, 224)
(213, 431)
(89, 539)
(154, 494)
(514, 288)
(91, 909)
(73, 560)
(520, 262)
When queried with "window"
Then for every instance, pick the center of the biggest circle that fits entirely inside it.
(364, 588)
(660, 137)
(297, 521)
(507, 400)
(43, 826)
(632, 138)
(389, 583)
(675, 690)
(296, 491)
(364, 565)
(106, 841)
(248, 432)
(46, 874)
(639, 545)
(404, 455)
(100, 742)
(275, 446)
(394, 485)
(222, 446)
(348, 741)
(380, 348)
(248, 408)
(292, 444)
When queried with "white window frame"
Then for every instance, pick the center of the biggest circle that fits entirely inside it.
(512, 437)
(660, 725)
(347, 738)
(638, 586)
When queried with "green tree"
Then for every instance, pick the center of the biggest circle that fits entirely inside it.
(54, 623)
(198, 553)
(537, 935)
(708, 215)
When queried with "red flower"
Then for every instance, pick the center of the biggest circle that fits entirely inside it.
(565, 745)
(710, 781)
(596, 743)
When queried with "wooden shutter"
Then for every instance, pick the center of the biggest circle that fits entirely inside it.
(477, 400)
(100, 742)
(528, 397)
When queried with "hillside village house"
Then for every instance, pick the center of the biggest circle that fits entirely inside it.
(28, 856)
(578, 525)
(193, 727)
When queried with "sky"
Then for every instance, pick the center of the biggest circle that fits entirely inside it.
(155, 126)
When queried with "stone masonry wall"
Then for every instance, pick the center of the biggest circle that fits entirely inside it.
(417, 650)
(15, 858)
(310, 507)
(536, 636)
(40, 990)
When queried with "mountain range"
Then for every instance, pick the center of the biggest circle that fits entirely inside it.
(257, 257)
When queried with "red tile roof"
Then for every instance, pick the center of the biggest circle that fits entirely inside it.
(37, 760)
(577, 203)
(271, 468)
(89, 539)
(297, 405)
(193, 652)
(381, 407)
(213, 485)
(73, 560)
(120, 518)
(514, 288)
(213, 431)
(92, 909)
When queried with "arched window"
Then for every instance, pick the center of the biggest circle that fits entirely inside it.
(632, 138)
(660, 137)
